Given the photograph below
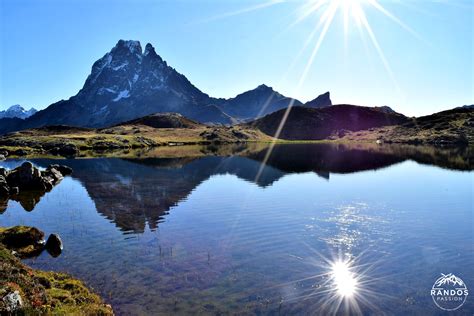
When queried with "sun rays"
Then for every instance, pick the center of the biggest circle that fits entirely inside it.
(354, 15)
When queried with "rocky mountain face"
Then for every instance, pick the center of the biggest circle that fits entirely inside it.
(17, 111)
(128, 83)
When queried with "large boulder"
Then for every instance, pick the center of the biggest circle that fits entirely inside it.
(29, 178)
(26, 177)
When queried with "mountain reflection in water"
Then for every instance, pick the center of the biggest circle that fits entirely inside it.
(132, 192)
(193, 230)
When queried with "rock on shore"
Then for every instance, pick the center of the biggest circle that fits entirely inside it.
(25, 291)
(29, 179)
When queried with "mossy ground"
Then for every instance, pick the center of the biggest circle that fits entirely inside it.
(46, 292)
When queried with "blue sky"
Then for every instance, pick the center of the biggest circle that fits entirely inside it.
(224, 48)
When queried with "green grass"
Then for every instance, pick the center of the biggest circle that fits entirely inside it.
(44, 292)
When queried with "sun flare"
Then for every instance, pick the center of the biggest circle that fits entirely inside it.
(344, 280)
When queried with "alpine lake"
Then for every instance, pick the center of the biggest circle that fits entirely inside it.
(299, 229)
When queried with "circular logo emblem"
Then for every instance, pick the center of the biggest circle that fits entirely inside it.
(449, 292)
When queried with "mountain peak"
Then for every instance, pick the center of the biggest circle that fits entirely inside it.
(149, 49)
(323, 100)
(133, 47)
(17, 111)
(263, 87)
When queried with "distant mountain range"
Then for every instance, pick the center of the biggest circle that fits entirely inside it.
(17, 111)
(129, 82)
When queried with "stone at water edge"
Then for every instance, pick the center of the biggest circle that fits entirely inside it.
(54, 245)
(20, 236)
(26, 177)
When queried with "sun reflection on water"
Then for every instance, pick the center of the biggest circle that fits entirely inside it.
(344, 280)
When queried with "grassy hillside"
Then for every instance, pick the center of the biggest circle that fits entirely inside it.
(454, 126)
(150, 131)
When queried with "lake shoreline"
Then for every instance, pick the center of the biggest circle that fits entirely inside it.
(27, 290)
(71, 149)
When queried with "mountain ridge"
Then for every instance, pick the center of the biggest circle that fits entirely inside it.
(129, 82)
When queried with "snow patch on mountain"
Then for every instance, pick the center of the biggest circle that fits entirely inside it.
(122, 95)
(125, 64)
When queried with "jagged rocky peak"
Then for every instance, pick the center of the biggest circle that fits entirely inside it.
(149, 50)
(133, 47)
(124, 47)
(123, 55)
(321, 101)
